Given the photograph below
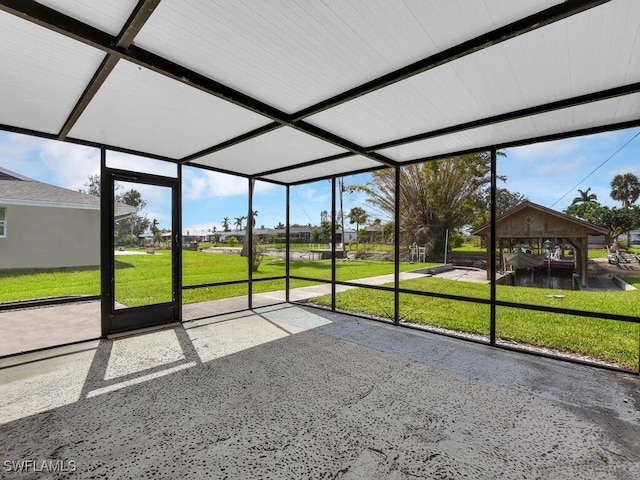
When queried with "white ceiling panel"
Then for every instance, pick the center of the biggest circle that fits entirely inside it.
(592, 51)
(148, 112)
(43, 75)
(294, 54)
(334, 167)
(575, 118)
(108, 16)
(280, 148)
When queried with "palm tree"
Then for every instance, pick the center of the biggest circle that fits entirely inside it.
(358, 216)
(585, 197)
(238, 222)
(625, 188)
(225, 224)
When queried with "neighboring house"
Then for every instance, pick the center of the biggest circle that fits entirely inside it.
(296, 234)
(44, 226)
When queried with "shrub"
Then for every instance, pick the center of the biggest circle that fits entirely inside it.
(456, 240)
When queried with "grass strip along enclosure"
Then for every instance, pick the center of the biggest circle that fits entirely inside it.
(611, 341)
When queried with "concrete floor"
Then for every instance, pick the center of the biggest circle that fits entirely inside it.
(288, 392)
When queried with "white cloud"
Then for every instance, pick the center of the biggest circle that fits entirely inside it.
(200, 184)
(70, 165)
(63, 164)
(555, 149)
(312, 195)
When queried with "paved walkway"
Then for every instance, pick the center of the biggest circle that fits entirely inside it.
(41, 327)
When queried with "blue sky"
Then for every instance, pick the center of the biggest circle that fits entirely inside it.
(547, 173)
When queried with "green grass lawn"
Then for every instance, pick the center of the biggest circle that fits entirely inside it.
(25, 284)
(144, 279)
(612, 341)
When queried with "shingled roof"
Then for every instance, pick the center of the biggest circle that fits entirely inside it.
(527, 206)
(16, 189)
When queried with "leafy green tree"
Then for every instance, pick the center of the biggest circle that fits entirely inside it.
(325, 230)
(377, 236)
(155, 230)
(138, 223)
(133, 225)
(232, 241)
(434, 196)
(92, 185)
(245, 245)
(388, 230)
(616, 220)
(589, 211)
(620, 220)
(505, 201)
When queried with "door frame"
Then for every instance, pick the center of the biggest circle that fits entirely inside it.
(134, 318)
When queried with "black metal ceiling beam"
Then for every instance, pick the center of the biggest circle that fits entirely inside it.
(86, 143)
(529, 141)
(231, 142)
(540, 19)
(522, 26)
(336, 175)
(532, 22)
(53, 20)
(134, 23)
(309, 163)
(507, 32)
(523, 113)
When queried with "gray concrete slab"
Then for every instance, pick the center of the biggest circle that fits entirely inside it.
(289, 392)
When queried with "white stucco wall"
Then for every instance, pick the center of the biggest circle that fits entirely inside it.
(49, 237)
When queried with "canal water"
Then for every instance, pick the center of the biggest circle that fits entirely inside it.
(542, 278)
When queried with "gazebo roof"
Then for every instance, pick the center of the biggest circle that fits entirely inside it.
(530, 220)
(294, 91)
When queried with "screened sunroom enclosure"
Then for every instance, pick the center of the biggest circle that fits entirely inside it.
(309, 94)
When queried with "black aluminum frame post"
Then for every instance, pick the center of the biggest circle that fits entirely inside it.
(106, 239)
(333, 243)
(287, 248)
(249, 243)
(396, 250)
(492, 247)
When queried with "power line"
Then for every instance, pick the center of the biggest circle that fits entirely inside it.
(595, 169)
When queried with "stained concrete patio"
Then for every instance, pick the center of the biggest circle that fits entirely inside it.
(287, 392)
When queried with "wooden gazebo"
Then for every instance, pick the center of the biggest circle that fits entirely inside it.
(532, 222)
